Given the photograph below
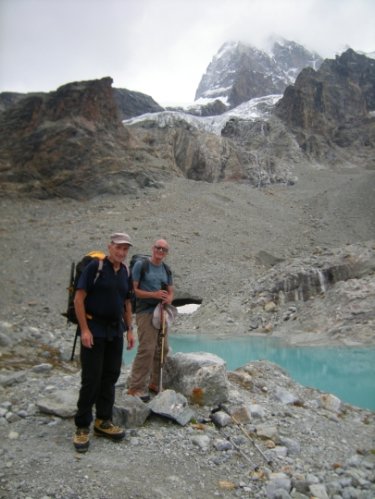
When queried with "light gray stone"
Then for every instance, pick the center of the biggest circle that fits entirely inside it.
(330, 402)
(285, 397)
(12, 379)
(42, 368)
(62, 403)
(257, 411)
(221, 418)
(202, 441)
(265, 431)
(294, 447)
(4, 340)
(279, 451)
(319, 491)
(173, 406)
(278, 482)
(130, 411)
(221, 444)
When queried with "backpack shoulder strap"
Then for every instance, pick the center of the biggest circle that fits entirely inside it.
(99, 271)
(144, 269)
(128, 271)
(167, 269)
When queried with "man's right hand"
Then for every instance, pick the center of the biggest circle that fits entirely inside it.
(87, 338)
(161, 295)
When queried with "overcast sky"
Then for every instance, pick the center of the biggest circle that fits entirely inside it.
(160, 47)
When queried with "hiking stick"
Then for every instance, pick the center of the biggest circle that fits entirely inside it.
(247, 434)
(74, 343)
(162, 348)
(71, 286)
(239, 450)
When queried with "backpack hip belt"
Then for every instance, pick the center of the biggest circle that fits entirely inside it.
(102, 321)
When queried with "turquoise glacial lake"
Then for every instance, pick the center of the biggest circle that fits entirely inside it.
(347, 372)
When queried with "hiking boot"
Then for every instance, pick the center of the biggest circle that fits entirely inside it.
(153, 388)
(105, 428)
(81, 440)
(137, 393)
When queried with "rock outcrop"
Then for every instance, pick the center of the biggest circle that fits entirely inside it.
(330, 110)
(184, 148)
(8, 99)
(266, 148)
(130, 103)
(70, 143)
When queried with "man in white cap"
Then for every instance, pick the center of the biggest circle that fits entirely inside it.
(103, 308)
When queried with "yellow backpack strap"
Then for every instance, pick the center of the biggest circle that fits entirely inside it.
(97, 254)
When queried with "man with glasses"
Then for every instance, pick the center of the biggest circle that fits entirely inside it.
(155, 286)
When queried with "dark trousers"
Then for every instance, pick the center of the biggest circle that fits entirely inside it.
(101, 367)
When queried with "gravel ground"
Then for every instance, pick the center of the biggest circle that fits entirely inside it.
(305, 445)
(215, 233)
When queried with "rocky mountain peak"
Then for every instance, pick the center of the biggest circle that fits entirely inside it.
(240, 72)
(293, 57)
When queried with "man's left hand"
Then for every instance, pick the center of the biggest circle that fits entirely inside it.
(130, 339)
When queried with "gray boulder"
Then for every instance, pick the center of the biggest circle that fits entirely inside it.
(129, 411)
(200, 376)
(62, 403)
(173, 406)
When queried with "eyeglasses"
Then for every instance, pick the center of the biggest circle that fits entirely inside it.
(161, 248)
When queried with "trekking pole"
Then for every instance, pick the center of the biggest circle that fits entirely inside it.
(71, 286)
(162, 347)
(74, 343)
(247, 434)
(239, 450)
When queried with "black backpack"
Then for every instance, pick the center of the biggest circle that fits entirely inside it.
(75, 273)
(145, 266)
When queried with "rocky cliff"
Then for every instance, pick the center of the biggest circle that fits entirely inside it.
(128, 102)
(331, 111)
(70, 143)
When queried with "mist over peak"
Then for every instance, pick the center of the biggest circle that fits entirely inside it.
(239, 71)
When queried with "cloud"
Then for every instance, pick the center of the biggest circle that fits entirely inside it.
(160, 47)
